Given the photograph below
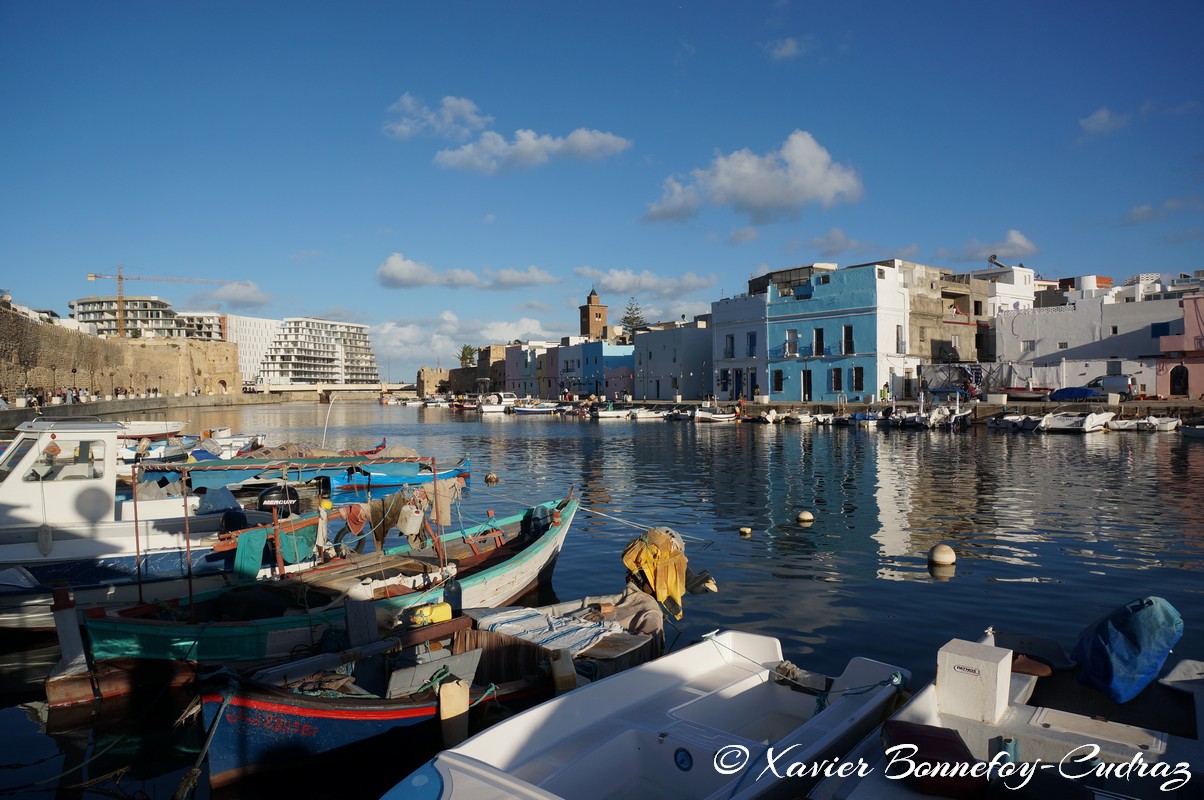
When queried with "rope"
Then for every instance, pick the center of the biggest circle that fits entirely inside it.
(435, 679)
(189, 781)
(491, 689)
(821, 699)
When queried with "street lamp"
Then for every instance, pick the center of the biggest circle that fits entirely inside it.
(112, 386)
(73, 379)
(54, 378)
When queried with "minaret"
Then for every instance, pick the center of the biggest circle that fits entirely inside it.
(593, 316)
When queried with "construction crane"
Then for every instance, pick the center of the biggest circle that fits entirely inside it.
(121, 279)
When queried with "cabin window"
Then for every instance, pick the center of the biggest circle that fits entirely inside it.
(12, 457)
(65, 459)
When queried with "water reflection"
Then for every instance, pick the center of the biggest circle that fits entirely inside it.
(1050, 531)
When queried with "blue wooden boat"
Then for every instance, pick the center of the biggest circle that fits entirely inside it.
(217, 473)
(286, 716)
(366, 477)
(493, 564)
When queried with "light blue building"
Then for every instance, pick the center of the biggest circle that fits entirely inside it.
(607, 369)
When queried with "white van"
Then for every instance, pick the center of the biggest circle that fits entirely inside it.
(1113, 384)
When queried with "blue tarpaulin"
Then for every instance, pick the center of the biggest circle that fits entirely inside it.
(1123, 652)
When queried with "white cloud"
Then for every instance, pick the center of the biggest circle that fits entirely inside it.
(516, 279)
(491, 152)
(628, 283)
(678, 203)
(835, 243)
(742, 235)
(238, 295)
(1103, 121)
(763, 188)
(789, 48)
(1015, 245)
(456, 118)
(1148, 213)
(401, 272)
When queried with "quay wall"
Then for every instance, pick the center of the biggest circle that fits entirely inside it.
(147, 407)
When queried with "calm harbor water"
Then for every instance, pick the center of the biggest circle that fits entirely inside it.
(1051, 532)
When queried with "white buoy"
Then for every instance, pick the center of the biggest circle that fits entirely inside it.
(491, 478)
(805, 518)
(942, 555)
(745, 533)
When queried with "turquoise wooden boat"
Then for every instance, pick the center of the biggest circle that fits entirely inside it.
(485, 565)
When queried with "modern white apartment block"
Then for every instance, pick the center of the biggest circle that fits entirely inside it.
(253, 335)
(307, 350)
(145, 315)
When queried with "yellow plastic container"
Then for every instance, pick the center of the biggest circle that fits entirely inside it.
(428, 614)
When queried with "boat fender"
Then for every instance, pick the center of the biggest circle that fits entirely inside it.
(805, 517)
(45, 539)
(453, 711)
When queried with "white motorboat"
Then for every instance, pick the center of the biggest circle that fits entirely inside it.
(63, 524)
(1075, 421)
(1146, 424)
(700, 722)
(535, 408)
(647, 413)
(153, 429)
(713, 414)
(1029, 724)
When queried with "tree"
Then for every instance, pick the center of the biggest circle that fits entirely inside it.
(467, 355)
(633, 317)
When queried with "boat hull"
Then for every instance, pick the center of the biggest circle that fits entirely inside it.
(492, 579)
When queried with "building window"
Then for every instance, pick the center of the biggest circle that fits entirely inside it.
(1028, 345)
(791, 343)
(837, 380)
(725, 378)
(824, 278)
(1160, 329)
(900, 342)
(848, 341)
(978, 308)
(818, 347)
(881, 274)
(1063, 345)
(777, 381)
(729, 346)
(858, 379)
(1114, 330)
(752, 345)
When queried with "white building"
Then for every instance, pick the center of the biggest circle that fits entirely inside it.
(144, 315)
(673, 359)
(1099, 331)
(307, 350)
(253, 335)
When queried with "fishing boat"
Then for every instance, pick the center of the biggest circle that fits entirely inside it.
(674, 727)
(1075, 421)
(340, 470)
(492, 564)
(486, 660)
(284, 716)
(1011, 715)
(713, 414)
(1192, 431)
(153, 429)
(647, 414)
(608, 411)
(1026, 392)
(63, 524)
(365, 477)
(534, 408)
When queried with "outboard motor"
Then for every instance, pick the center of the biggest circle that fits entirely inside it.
(283, 498)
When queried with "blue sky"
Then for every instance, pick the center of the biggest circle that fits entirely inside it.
(452, 173)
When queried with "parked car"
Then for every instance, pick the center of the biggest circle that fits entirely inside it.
(1113, 384)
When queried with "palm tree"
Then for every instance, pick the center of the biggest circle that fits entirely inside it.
(467, 355)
